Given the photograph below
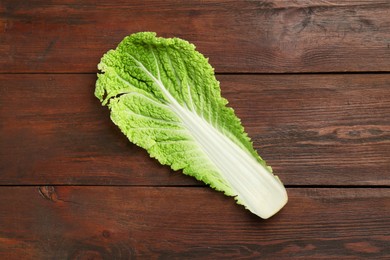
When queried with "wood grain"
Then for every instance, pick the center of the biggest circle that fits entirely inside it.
(309, 79)
(189, 223)
(238, 36)
(313, 130)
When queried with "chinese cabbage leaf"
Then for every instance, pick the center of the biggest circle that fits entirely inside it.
(164, 97)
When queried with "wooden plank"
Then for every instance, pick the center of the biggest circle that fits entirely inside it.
(182, 223)
(313, 130)
(238, 36)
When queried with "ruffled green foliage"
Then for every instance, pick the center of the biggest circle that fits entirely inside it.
(164, 97)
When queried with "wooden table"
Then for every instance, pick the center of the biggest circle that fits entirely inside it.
(309, 79)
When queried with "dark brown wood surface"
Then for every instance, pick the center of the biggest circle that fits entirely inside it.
(309, 79)
(311, 128)
(249, 36)
(182, 223)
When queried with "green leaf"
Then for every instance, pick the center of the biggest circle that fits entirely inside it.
(164, 97)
